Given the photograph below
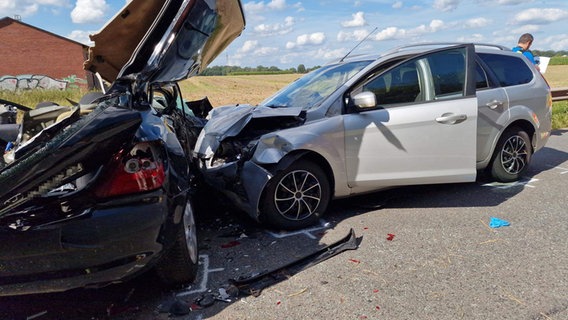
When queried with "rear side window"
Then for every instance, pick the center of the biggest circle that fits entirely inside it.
(510, 71)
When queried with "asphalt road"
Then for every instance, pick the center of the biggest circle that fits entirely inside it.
(425, 252)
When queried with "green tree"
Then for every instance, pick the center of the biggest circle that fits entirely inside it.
(301, 68)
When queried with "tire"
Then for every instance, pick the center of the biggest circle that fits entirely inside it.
(179, 265)
(296, 197)
(512, 155)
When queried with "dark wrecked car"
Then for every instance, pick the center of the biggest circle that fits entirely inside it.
(423, 114)
(103, 191)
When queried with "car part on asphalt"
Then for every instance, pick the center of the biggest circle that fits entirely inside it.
(255, 284)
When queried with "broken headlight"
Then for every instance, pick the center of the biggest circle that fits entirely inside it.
(232, 150)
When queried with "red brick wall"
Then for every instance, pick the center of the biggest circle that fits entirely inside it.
(26, 50)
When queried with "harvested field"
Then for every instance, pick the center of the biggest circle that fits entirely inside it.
(223, 90)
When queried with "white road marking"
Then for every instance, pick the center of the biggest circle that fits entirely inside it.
(204, 261)
(307, 232)
(508, 185)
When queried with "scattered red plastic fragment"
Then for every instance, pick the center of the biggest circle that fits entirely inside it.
(375, 291)
(363, 317)
(378, 308)
(355, 260)
(390, 237)
(366, 228)
(230, 244)
(278, 303)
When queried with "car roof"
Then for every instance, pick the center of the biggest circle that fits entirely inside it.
(414, 49)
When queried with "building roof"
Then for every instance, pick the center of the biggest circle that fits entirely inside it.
(7, 21)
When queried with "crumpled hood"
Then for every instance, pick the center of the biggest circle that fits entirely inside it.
(164, 40)
(229, 121)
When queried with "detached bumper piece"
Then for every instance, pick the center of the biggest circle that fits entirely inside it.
(254, 285)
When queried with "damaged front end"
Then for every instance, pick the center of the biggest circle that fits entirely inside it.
(231, 150)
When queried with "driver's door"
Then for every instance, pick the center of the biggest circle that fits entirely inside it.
(423, 129)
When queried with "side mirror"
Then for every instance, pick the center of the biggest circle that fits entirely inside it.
(365, 100)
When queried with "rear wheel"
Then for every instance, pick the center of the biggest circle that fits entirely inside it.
(296, 197)
(180, 263)
(512, 155)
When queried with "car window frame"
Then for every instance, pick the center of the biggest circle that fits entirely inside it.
(469, 78)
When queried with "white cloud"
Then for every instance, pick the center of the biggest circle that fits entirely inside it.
(525, 28)
(540, 16)
(260, 6)
(89, 11)
(312, 39)
(477, 23)
(391, 33)
(26, 8)
(81, 36)
(397, 5)
(265, 51)
(276, 29)
(331, 54)
(356, 35)
(248, 46)
(446, 5)
(556, 42)
(277, 4)
(476, 37)
(357, 21)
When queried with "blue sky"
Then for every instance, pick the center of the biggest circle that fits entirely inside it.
(286, 33)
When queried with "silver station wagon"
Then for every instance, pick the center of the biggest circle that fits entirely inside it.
(419, 114)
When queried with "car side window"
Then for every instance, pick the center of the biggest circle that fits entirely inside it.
(480, 78)
(399, 85)
(509, 70)
(439, 75)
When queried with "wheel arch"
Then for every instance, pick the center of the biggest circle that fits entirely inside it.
(309, 155)
(527, 126)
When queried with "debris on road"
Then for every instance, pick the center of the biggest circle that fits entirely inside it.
(498, 223)
(254, 285)
(390, 237)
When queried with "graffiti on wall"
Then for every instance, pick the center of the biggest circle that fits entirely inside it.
(33, 81)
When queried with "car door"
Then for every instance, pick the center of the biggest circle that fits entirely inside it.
(423, 127)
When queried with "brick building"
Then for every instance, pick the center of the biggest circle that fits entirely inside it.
(27, 50)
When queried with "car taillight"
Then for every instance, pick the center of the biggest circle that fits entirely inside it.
(131, 172)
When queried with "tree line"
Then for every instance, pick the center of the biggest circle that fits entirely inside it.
(235, 70)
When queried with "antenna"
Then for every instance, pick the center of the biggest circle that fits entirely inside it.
(355, 47)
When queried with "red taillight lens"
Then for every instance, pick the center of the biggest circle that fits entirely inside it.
(131, 172)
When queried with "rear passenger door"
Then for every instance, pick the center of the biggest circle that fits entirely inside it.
(423, 129)
(493, 111)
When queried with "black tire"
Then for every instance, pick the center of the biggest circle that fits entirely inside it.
(512, 155)
(296, 197)
(179, 265)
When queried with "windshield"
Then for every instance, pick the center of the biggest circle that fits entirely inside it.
(310, 90)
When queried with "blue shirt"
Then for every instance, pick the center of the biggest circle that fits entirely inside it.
(526, 53)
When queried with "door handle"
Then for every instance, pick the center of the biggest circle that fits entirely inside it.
(450, 118)
(494, 104)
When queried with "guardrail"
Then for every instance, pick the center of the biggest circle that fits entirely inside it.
(559, 94)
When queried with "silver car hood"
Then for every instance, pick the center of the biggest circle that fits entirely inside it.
(167, 40)
(229, 121)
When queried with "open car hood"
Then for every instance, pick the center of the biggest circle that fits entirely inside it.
(164, 40)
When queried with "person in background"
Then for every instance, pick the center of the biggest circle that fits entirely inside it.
(523, 46)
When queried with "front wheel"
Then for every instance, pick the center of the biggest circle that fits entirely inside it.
(512, 155)
(296, 197)
(180, 263)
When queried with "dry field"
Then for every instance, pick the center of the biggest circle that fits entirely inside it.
(224, 90)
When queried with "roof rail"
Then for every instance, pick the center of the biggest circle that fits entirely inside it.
(441, 44)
